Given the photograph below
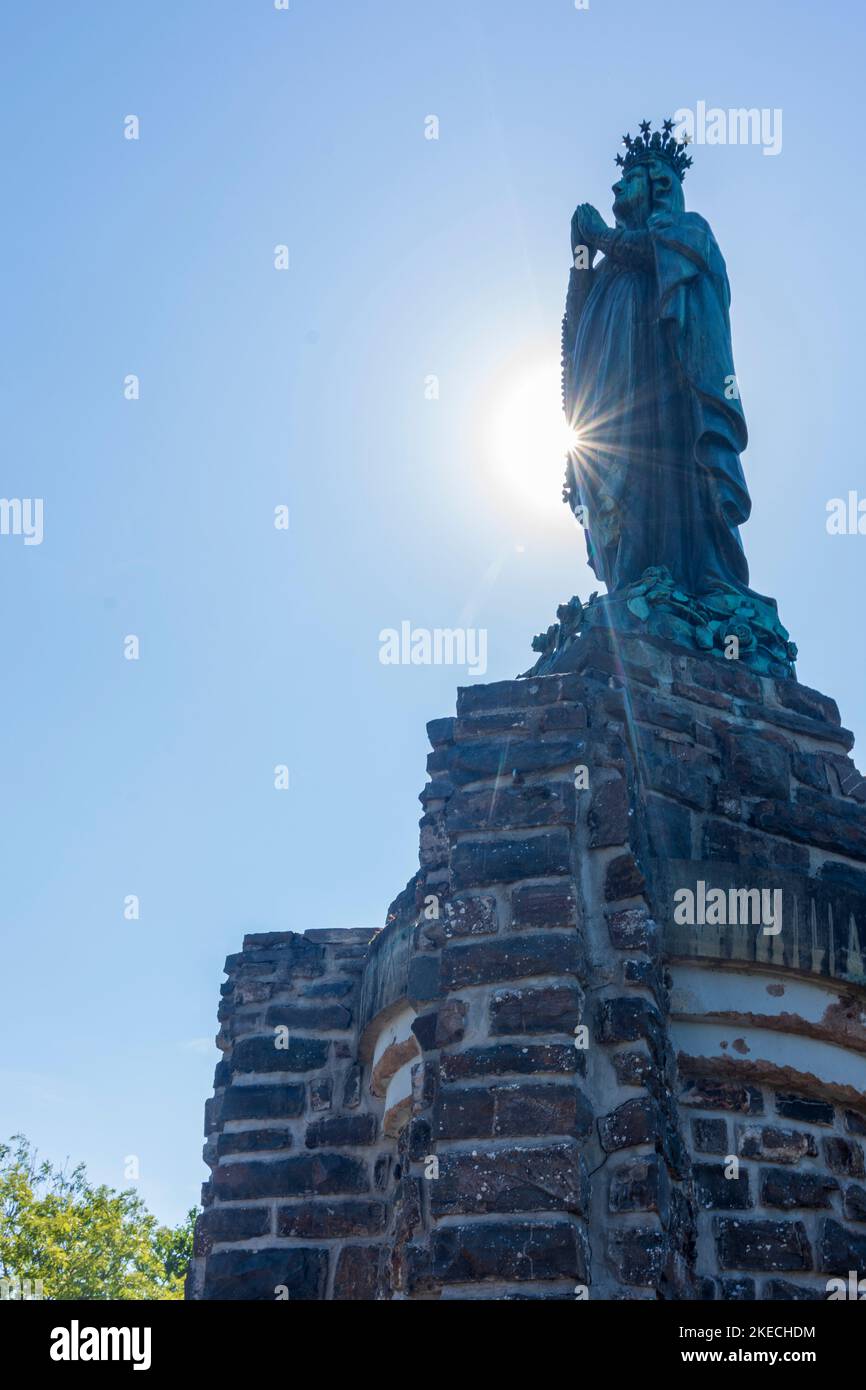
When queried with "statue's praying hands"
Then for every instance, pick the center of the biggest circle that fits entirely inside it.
(587, 226)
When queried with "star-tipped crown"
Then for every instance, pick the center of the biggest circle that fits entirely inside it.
(661, 144)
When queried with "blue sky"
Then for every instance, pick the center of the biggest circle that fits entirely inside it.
(408, 257)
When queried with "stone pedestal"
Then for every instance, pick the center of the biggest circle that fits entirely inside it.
(611, 1042)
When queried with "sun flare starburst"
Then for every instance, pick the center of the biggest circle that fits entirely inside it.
(528, 437)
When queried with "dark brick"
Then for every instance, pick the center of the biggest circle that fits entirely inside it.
(321, 1093)
(722, 1095)
(814, 1112)
(437, 789)
(253, 1141)
(508, 807)
(637, 1256)
(844, 1156)
(450, 1023)
(510, 1180)
(290, 950)
(488, 962)
(788, 1190)
(803, 700)
(550, 1009)
(465, 1114)
(680, 779)
(854, 1123)
(317, 1020)
(777, 1145)
(843, 876)
(213, 1114)
(470, 917)
(424, 980)
(842, 1250)
(723, 842)
(608, 814)
(855, 1203)
(632, 929)
(710, 1136)
(665, 714)
(263, 1274)
(819, 825)
(321, 1220)
(762, 1245)
(523, 1109)
(714, 1191)
(543, 906)
(644, 973)
(711, 698)
(419, 1138)
(811, 768)
(739, 1290)
(263, 1102)
(341, 1131)
(509, 722)
(851, 781)
(781, 1291)
(633, 1068)
(507, 1058)
(626, 1019)
(476, 862)
(308, 1174)
(757, 765)
(225, 1224)
(516, 694)
(357, 1273)
(424, 1028)
(558, 718)
(518, 1109)
(603, 657)
(800, 724)
(668, 827)
(261, 1055)
(640, 1184)
(441, 731)
(352, 1087)
(623, 879)
(498, 757)
(508, 1251)
(636, 1121)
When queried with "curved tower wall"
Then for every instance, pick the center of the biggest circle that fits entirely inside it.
(611, 1042)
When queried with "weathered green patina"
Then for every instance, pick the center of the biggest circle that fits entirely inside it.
(649, 388)
(727, 623)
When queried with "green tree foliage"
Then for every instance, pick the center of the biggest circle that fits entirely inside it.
(83, 1241)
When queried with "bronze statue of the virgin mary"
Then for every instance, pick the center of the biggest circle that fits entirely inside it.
(650, 392)
(649, 383)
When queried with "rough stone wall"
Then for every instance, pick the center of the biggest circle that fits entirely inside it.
(793, 1216)
(532, 1083)
(292, 1136)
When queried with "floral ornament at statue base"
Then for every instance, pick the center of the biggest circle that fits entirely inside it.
(728, 624)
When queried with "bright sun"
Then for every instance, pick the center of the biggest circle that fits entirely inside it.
(528, 437)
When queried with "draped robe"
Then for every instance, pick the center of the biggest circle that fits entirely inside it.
(650, 388)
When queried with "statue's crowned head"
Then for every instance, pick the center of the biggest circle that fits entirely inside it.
(652, 175)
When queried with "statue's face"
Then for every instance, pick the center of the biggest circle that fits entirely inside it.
(632, 198)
